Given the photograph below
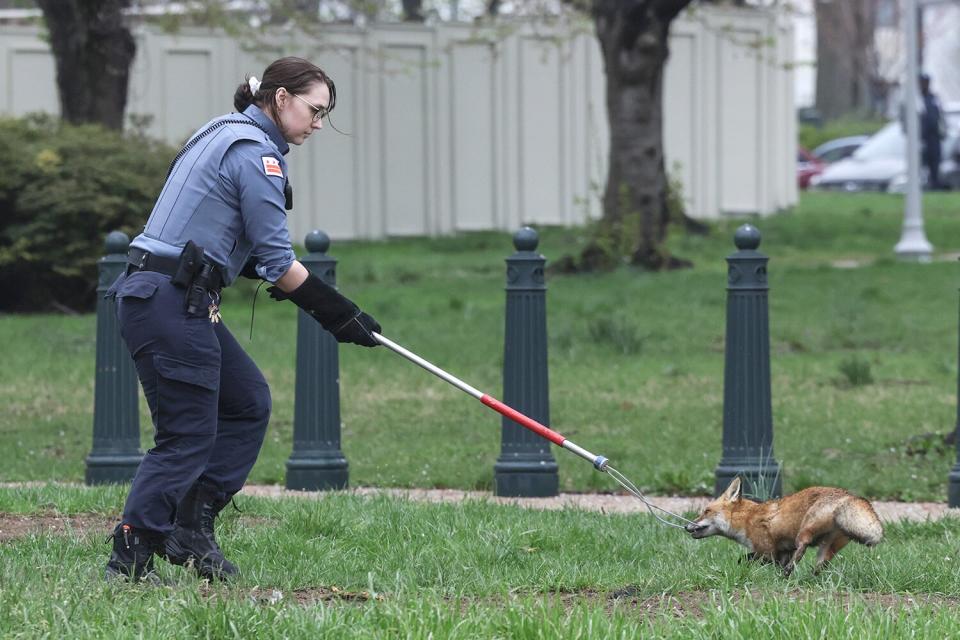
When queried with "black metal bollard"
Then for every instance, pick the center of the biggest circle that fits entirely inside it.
(953, 478)
(526, 467)
(116, 453)
(317, 463)
(747, 413)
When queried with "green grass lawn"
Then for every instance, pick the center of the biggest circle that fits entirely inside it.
(352, 567)
(864, 360)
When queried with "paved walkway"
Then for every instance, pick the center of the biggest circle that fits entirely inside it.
(604, 502)
(607, 503)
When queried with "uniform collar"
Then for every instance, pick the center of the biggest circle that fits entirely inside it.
(257, 115)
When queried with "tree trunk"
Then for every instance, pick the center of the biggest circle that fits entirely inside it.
(846, 61)
(633, 37)
(412, 10)
(93, 49)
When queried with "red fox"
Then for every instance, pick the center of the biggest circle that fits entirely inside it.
(781, 530)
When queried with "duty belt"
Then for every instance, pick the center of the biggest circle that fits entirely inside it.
(140, 260)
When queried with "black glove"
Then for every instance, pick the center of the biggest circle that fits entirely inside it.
(359, 330)
(334, 311)
(277, 293)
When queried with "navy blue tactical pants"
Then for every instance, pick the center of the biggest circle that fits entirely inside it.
(210, 403)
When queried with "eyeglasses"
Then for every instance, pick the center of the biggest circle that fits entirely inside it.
(319, 113)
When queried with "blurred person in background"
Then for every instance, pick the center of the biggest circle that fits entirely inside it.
(932, 131)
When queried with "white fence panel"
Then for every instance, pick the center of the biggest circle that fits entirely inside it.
(448, 128)
(472, 123)
(27, 73)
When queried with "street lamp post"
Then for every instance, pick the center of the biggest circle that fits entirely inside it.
(913, 243)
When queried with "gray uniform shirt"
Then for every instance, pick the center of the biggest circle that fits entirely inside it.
(227, 195)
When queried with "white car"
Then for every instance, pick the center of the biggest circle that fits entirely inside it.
(880, 164)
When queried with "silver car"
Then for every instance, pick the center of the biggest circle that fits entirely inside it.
(839, 148)
(880, 164)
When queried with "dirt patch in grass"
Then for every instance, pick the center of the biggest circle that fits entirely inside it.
(14, 526)
(682, 604)
(628, 601)
(694, 603)
(313, 595)
(697, 603)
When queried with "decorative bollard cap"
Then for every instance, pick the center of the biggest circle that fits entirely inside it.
(117, 242)
(747, 238)
(317, 241)
(526, 239)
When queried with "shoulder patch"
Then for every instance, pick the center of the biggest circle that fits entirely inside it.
(271, 166)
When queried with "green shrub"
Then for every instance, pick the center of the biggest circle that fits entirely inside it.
(617, 331)
(856, 371)
(812, 136)
(62, 189)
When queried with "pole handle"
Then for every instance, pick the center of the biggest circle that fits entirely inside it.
(521, 419)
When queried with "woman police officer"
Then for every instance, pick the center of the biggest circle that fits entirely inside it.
(220, 214)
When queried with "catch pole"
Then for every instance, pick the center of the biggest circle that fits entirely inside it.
(599, 462)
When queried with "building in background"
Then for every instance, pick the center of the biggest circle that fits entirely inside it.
(940, 50)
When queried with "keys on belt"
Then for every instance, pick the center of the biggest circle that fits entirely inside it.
(213, 311)
(201, 279)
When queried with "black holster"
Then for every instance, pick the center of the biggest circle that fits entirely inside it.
(199, 293)
(189, 265)
(199, 278)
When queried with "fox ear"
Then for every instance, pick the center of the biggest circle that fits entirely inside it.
(732, 494)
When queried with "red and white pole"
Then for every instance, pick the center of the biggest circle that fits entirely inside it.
(599, 462)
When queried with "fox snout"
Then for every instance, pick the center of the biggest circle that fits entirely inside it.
(697, 529)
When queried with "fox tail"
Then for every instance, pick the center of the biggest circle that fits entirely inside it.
(859, 521)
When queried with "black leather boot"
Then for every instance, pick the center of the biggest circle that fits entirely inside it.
(193, 541)
(132, 555)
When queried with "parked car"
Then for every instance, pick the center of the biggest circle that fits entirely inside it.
(807, 167)
(880, 163)
(838, 148)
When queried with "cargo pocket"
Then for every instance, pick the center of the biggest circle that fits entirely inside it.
(187, 397)
(196, 374)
